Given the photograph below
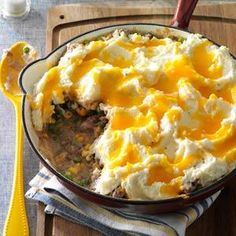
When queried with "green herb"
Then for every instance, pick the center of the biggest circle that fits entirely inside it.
(53, 129)
(73, 105)
(83, 182)
(85, 41)
(181, 39)
(74, 141)
(60, 110)
(26, 50)
(77, 159)
(66, 175)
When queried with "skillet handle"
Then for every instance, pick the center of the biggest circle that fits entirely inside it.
(183, 13)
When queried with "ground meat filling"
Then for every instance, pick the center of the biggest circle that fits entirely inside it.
(68, 141)
(119, 192)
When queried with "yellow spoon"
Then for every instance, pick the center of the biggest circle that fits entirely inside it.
(13, 61)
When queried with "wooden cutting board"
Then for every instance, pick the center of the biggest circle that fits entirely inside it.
(218, 22)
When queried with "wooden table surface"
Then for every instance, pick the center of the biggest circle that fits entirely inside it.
(218, 22)
(218, 220)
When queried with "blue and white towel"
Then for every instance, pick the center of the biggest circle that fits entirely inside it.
(60, 201)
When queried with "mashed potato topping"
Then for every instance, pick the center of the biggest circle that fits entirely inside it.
(170, 106)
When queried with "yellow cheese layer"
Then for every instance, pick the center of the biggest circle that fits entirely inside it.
(122, 85)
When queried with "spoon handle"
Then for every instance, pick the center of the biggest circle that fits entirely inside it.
(16, 222)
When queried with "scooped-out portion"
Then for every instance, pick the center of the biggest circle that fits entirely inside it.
(139, 116)
(68, 140)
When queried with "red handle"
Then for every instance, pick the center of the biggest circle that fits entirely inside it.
(183, 13)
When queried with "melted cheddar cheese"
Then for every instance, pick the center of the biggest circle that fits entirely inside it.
(170, 105)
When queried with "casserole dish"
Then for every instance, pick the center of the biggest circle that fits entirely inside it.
(41, 66)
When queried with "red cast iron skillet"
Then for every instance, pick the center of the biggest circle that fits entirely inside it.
(181, 21)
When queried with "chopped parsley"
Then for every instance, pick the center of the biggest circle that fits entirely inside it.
(26, 50)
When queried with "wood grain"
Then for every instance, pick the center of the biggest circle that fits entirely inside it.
(66, 228)
(217, 22)
(220, 219)
(66, 22)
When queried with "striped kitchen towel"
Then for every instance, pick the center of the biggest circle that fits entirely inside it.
(60, 201)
